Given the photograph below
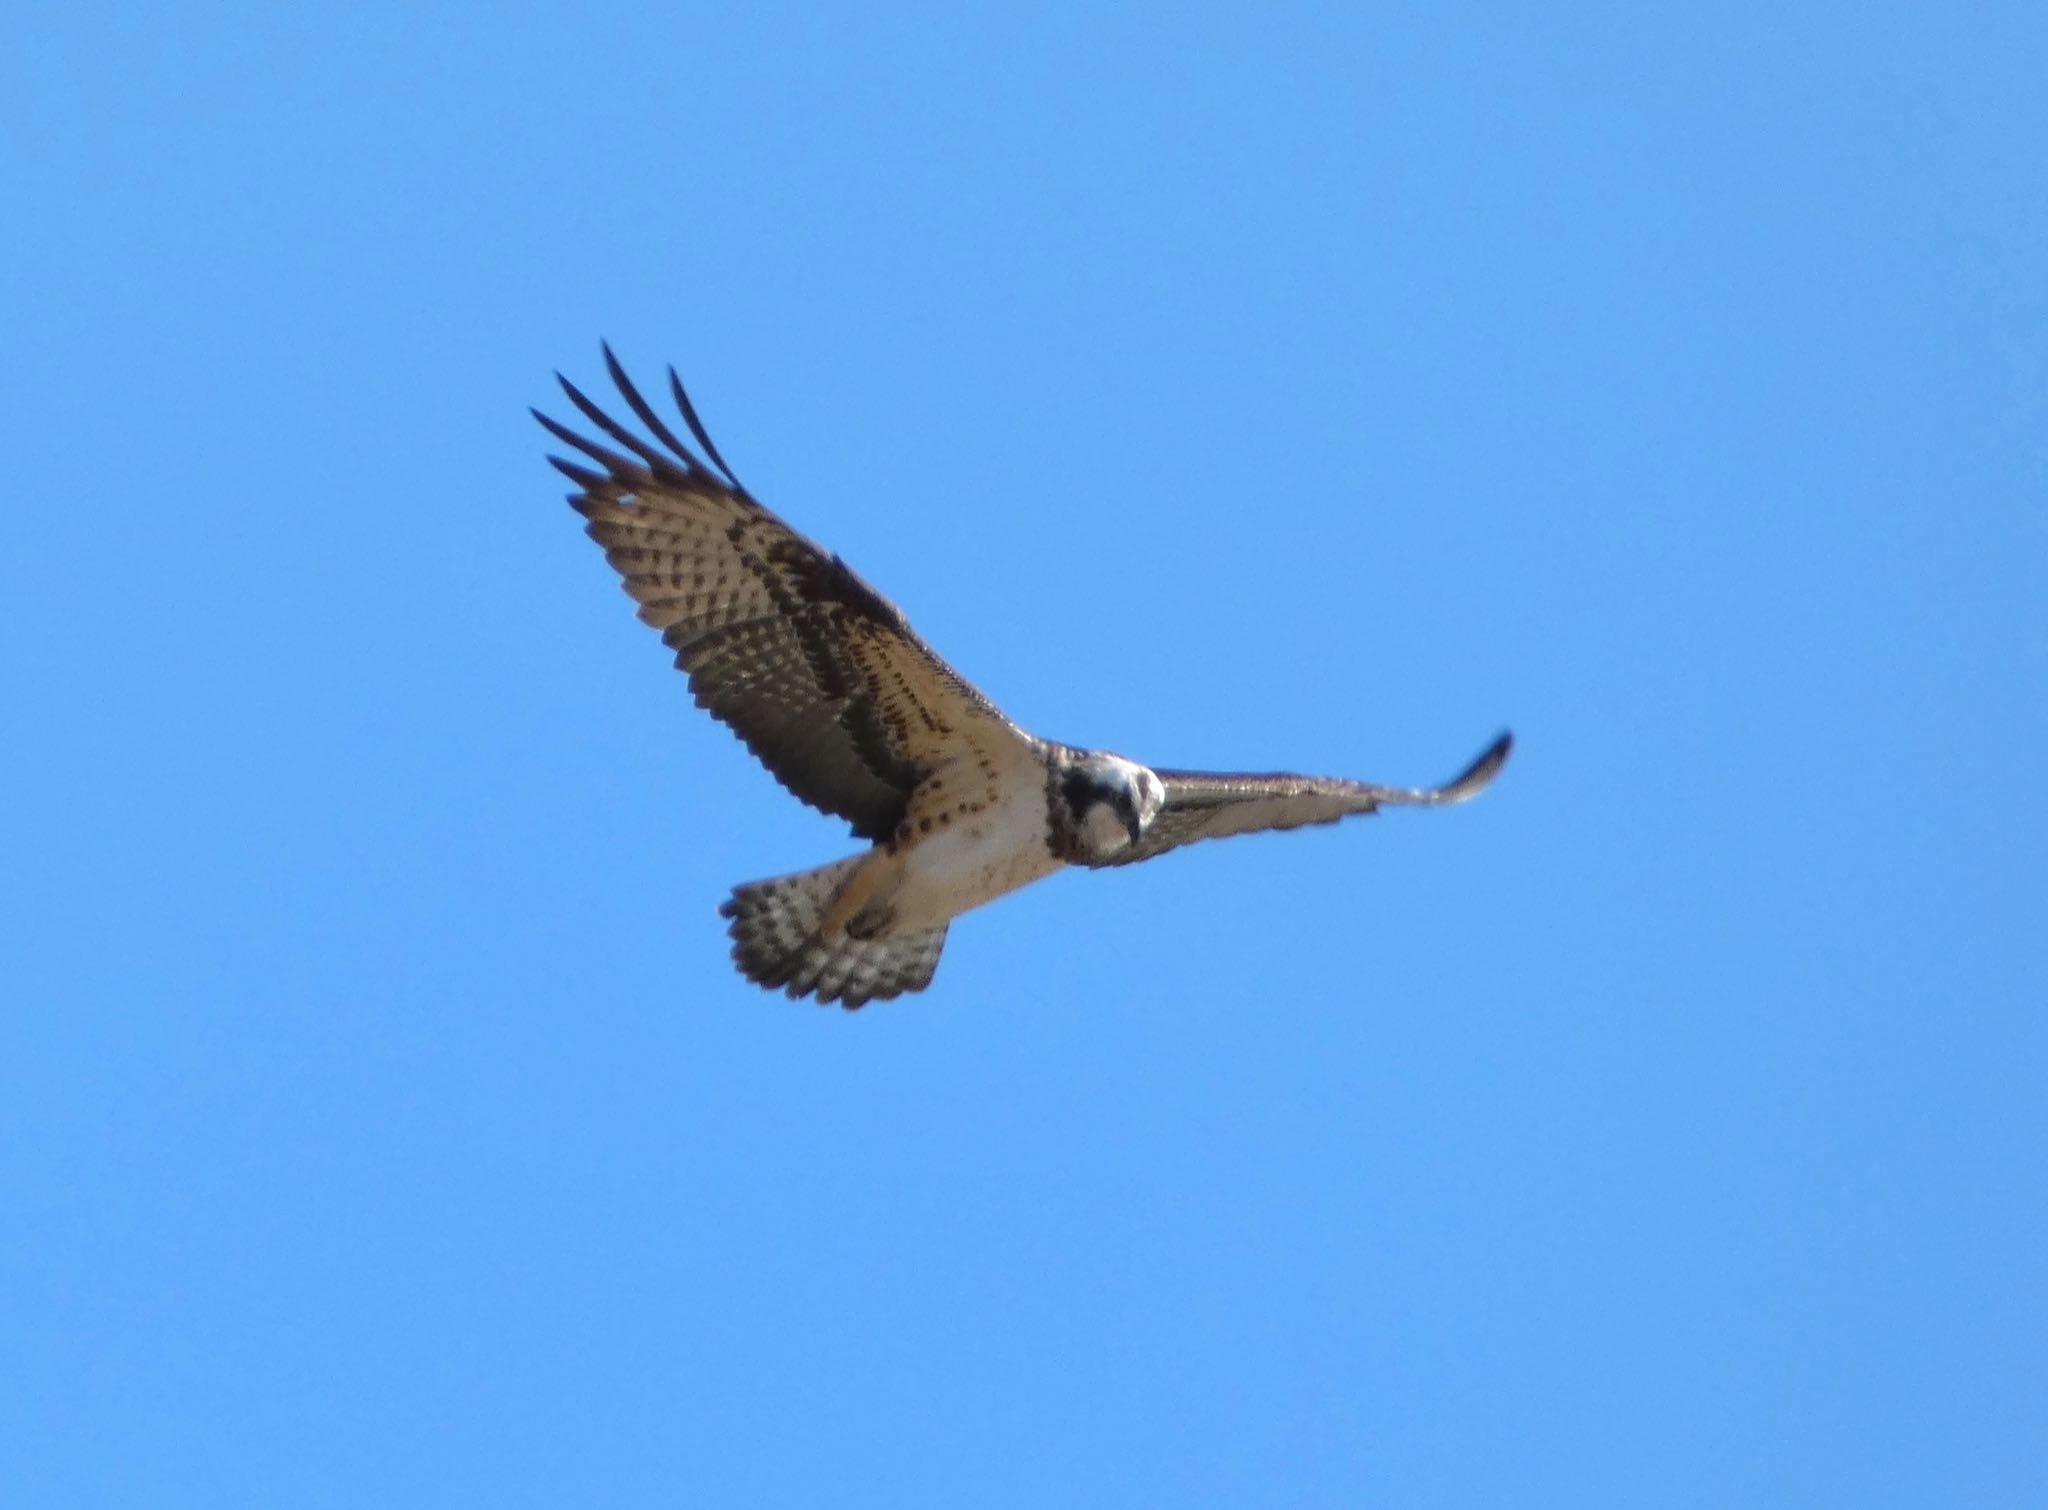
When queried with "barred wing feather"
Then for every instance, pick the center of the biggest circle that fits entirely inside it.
(819, 674)
(1205, 805)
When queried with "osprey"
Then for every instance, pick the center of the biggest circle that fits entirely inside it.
(848, 708)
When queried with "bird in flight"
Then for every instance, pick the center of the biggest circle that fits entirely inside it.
(833, 691)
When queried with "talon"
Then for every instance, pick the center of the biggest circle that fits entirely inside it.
(869, 921)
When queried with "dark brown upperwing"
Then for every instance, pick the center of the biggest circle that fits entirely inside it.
(781, 640)
(1205, 805)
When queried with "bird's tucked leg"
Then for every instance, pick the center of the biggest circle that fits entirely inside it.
(871, 921)
(865, 904)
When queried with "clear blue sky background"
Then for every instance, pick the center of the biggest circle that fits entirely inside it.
(1313, 387)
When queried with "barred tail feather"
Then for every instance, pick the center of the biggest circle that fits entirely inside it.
(775, 942)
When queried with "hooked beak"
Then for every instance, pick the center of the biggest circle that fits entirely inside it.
(1132, 826)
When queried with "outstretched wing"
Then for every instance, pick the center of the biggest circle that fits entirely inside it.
(817, 672)
(1200, 805)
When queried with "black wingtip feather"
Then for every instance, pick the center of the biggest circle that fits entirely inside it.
(689, 411)
(645, 413)
(1479, 775)
(656, 461)
(583, 477)
(624, 469)
(560, 431)
(679, 463)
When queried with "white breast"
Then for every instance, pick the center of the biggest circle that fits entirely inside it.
(975, 859)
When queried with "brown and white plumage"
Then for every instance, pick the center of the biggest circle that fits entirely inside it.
(848, 708)
(817, 672)
(1206, 805)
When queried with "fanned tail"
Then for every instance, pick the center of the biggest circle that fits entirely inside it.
(775, 942)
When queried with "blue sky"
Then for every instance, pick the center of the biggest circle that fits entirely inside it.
(1310, 387)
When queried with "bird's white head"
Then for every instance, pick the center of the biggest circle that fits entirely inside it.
(1110, 802)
